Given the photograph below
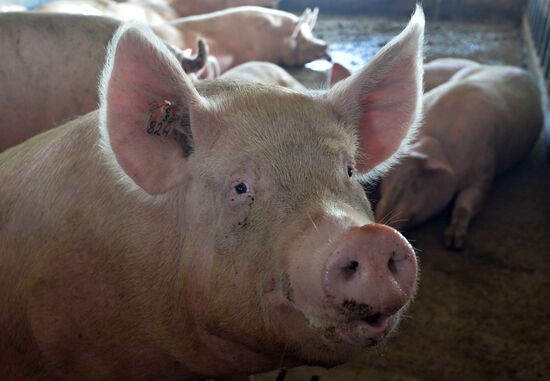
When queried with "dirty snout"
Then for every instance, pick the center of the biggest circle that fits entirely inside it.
(354, 289)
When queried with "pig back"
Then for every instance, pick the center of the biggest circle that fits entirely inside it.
(52, 71)
(516, 101)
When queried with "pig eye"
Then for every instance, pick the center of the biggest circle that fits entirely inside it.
(350, 171)
(241, 188)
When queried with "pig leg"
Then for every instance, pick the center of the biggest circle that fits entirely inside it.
(467, 204)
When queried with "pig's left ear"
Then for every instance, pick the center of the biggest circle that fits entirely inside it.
(384, 100)
(146, 110)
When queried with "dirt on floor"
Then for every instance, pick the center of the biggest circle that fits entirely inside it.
(483, 313)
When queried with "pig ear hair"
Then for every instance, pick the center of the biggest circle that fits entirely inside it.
(384, 100)
(140, 80)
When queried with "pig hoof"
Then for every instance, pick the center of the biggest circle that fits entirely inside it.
(454, 238)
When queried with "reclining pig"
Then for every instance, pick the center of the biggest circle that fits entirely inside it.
(436, 72)
(242, 34)
(476, 126)
(150, 12)
(189, 8)
(183, 232)
(263, 72)
(441, 70)
(51, 72)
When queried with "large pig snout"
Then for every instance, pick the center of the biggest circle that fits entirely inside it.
(371, 274)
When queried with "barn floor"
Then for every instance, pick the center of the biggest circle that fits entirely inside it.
(483, 313)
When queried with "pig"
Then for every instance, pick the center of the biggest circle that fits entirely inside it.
(242, 34)
(189, 231)
(436, 72)
(190, 8)
(235, 35)
(263, 72)
(441, 70)
(477, 125)
(150, 12)
(52, 71)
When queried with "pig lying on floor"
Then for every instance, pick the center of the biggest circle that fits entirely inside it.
(147, 11)
(182, 232)
(439, 71)
(52, 71)
(150, 12)
(263, 72)
(477, 125)
(189, 8)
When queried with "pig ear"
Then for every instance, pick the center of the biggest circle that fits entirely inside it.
(312, 18)
(302, 20)
(383, 101)
(431, 156)
(338, 73)
(145, 110)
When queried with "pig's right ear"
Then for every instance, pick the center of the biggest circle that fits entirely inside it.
(383, 101)
(143, 85)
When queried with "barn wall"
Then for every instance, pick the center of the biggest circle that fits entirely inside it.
(444, 9)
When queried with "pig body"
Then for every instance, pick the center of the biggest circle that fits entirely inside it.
(183, 232)
(242, 34)
(477, 125)
(190, 8)
(149, 12)
(440, 70)
(263, 72)
(53, 73)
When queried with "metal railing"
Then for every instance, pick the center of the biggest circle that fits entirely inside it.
(536, 33)
(538, 18)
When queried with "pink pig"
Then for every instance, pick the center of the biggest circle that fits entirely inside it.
(189, 8)
(263, 72)
(187, 231)
(242, 34)
(441, 70)
(477, 125)
(52, 72)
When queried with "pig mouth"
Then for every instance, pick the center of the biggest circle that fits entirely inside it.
(360, 331)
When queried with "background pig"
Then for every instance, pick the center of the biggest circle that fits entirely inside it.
(183, 232)
(146, 11)
(242, 34)
(436, 72)
(263, 72)
(52, 74)
(189, 8)
(439, 71)
(477, 125)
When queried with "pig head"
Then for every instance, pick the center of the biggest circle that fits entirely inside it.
(421, 185)
(300, 46)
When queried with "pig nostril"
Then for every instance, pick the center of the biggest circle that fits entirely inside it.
(391, 264)
(374, 319)
(350, 269)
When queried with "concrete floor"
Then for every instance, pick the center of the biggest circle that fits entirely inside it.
(483, 313)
